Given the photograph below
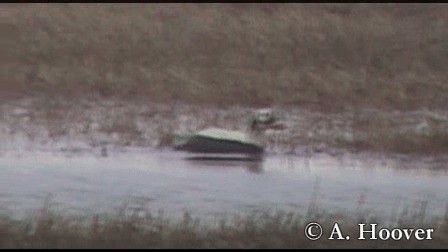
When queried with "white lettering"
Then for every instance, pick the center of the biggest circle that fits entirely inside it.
(362, 231)
(408, 233)
(429, 230)
(336, 230)
(384, 234)
(396, 234)
(419, 232)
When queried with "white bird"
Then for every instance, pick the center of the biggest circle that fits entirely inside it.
(221, 141)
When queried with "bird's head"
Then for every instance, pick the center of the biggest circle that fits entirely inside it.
(264, 119)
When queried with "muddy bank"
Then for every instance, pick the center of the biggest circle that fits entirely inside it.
(92, 123)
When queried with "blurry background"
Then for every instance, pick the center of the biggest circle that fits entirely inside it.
(92, 94)
(326, 55)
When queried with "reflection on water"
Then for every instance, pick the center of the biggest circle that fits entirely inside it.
(170, 181)
(252, 165)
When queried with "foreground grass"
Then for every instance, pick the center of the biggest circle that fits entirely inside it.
(328, 56)
(259, 230)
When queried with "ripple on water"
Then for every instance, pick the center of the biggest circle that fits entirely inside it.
(150, 180)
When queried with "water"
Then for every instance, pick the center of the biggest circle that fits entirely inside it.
(85, 182)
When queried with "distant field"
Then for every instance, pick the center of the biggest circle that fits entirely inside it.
(312, 55)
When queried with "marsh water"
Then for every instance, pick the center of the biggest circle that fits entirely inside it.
(141, 180)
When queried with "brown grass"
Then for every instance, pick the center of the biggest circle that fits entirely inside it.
(261, 229)
(389, 133)
(317, 55)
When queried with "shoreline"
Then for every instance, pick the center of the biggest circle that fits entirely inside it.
(38, 120)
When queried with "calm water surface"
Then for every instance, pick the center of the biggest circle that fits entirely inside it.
(154, 180)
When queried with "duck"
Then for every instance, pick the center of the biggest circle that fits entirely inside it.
(213, 140)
